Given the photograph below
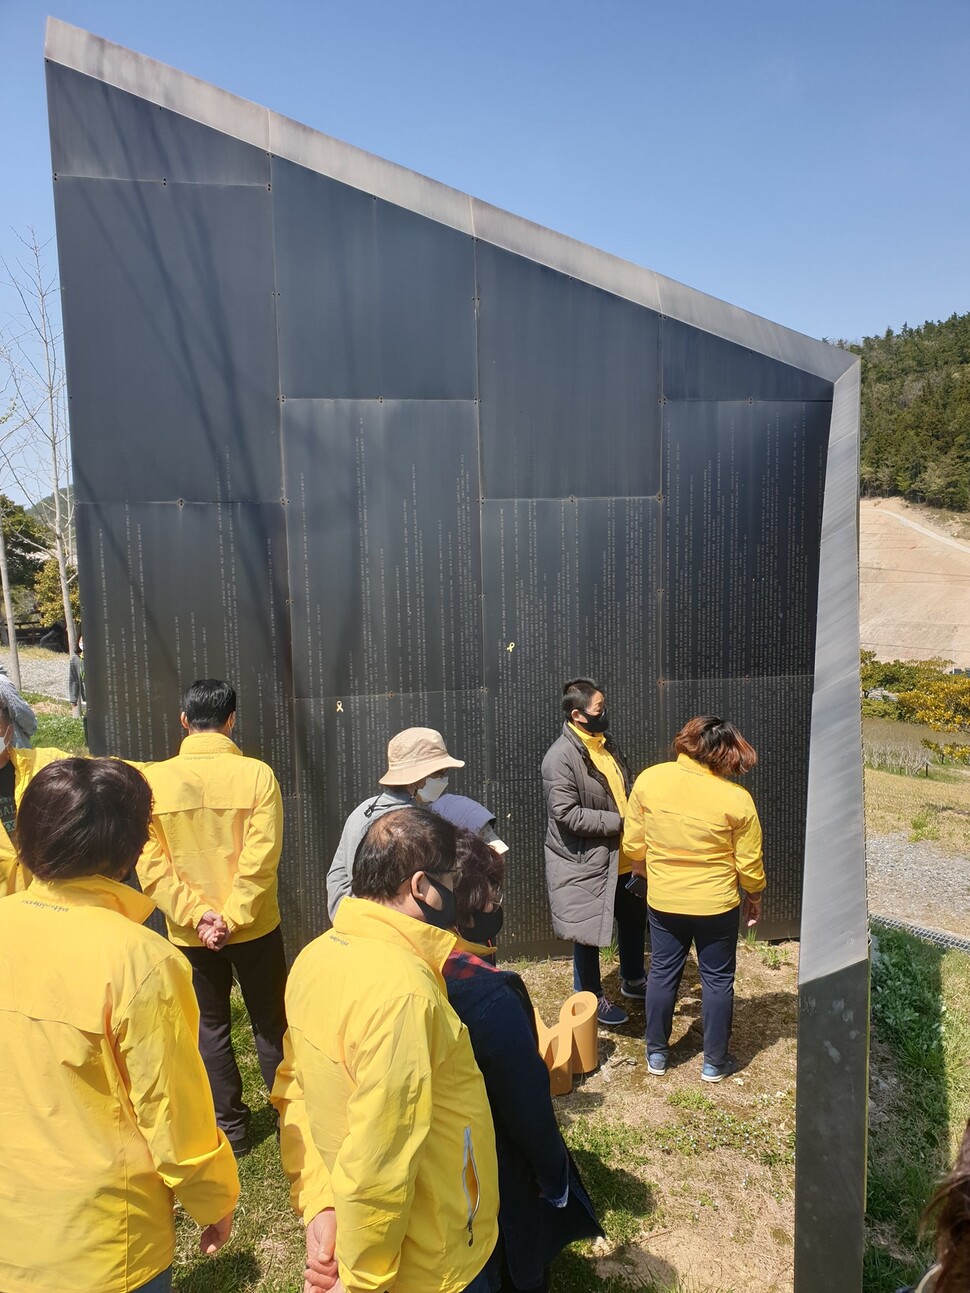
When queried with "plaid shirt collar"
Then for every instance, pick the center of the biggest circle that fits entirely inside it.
(465, 965)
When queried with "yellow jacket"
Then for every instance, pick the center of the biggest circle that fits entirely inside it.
(105, 1111)
(603, 762)
(215, 840)
(383, 1110)
(13, 875)
(699, 835)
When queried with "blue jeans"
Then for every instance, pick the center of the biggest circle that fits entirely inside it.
(162, 1283)
(716, 938)
(630, 914)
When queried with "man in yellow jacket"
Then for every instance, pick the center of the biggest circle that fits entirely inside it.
(17, 766)
(105, 1115)
(210, 865)
(386, 1129)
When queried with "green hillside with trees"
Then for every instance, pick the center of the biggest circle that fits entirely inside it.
(916, 413)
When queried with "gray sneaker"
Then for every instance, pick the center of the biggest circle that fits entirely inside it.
(636, 989)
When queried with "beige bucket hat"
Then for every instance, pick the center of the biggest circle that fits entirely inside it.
(414, 754)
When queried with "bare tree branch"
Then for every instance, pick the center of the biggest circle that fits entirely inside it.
(35, 450)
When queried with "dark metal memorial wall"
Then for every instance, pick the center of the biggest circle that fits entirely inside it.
(382, 455)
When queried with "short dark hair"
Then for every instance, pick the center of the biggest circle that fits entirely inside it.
(5, 711)
(481, 873)
(717, 744)
(208, 703)
(578, 694)
(83, 817)
(396, 846)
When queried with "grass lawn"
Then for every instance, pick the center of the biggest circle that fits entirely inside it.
(55, 725)
(919, 1096)
(935, 808)
(693, 1182)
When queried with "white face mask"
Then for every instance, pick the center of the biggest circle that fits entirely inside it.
(432, 789)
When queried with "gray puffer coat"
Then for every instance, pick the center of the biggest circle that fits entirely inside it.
(582, 840)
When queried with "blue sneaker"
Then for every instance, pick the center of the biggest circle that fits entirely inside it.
(718, 1072)
(657, 1064)
(636, 989)
(610, 1016)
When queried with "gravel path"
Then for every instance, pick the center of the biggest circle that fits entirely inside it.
(45, 674)
(919, 883)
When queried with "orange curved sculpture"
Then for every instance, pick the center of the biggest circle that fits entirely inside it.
(570, 1046)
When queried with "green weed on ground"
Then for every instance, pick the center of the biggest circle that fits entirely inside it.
(61, 731)
(265, 1253)
(55, 724)
(704, 1126)
(920, 1096)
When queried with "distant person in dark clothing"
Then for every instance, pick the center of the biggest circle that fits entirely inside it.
(55, 638)
(543, 1203)
(75, 686)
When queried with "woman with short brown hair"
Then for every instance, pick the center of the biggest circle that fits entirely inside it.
(106, 1112)
(696, 837)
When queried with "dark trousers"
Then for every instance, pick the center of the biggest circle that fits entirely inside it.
(488, 1278)
(716, 938)
(161, 1283)
(260, 968)
(509, 1285)
(630, 914)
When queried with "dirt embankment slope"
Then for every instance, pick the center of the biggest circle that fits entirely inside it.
(914, 584)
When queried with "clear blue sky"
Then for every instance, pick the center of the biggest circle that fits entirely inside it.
(808, 162)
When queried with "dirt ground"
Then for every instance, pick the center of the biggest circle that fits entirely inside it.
(914, 570)
(712, 1164)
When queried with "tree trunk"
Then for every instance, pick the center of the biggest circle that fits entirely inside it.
(8, 611)
(65, 594)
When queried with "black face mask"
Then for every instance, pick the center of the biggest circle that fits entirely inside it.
(485, 925)
(445, 918)
(597, 723)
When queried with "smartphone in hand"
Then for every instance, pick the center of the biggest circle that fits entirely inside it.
(637, 885)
